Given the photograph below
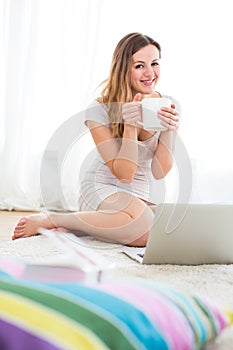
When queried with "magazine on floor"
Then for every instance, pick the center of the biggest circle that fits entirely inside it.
(76, 262)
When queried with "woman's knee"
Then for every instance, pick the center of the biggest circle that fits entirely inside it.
(141, 241)
(135, 232)
(142, 224)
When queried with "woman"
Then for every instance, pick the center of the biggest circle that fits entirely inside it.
(114, 205)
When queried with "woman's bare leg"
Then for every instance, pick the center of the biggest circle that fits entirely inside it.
(121, 218)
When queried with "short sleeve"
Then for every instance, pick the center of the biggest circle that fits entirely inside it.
(98, 113)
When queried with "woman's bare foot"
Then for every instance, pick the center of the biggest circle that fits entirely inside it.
(29, 225)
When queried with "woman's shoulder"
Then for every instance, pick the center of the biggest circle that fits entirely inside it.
(97, 112)
(95, 103)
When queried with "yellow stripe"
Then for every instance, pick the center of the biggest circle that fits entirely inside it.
(229, 314)
(53, 325)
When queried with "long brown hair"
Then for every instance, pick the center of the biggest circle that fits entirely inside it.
(117, 87)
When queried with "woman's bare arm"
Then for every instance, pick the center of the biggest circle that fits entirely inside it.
(163, 158)
(120, 155)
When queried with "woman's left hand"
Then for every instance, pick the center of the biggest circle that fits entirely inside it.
(169, 117)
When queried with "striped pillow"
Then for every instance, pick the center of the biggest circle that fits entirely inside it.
(133, 314)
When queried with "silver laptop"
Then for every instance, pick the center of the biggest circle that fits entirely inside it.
(188, 234)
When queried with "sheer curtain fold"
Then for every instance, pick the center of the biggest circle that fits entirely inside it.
(19, 42)
(48, 51)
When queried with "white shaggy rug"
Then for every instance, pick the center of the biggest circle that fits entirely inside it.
(213, 281)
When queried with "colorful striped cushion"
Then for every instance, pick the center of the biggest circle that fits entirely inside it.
(134, 314)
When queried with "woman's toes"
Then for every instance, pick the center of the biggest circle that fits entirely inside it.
(20, 225)
(22, 222)
(17, 234)
(29, 225)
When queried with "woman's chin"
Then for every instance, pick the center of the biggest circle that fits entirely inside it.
(147, 90)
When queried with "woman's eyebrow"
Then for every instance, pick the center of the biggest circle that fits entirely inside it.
(139, 61)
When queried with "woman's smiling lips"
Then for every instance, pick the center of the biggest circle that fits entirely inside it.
(147, 82)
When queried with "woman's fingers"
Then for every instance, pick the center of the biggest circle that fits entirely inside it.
(169, 117)
(131, 112)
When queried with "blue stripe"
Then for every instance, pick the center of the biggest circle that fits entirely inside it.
(133, 317)
(4, 275)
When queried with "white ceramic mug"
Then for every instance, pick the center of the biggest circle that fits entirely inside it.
(150, 107)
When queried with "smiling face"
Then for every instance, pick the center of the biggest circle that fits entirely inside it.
(145, 70)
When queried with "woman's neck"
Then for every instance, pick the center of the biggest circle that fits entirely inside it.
(154, 94)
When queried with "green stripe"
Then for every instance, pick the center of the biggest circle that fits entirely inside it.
(102, 327)
(210, 316)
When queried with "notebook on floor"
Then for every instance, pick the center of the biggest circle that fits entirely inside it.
(188, 234)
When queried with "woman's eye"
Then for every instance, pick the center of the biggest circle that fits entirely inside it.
(155, 64)
(139, 66)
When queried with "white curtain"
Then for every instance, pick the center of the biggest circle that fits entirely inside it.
(54, 53)
(47, 58)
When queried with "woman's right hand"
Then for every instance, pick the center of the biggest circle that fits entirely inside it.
(132, 111)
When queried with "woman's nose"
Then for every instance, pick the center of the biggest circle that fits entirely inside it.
(149, 72)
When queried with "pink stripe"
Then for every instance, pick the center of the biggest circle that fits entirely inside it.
(218, 314)
(169, 321)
